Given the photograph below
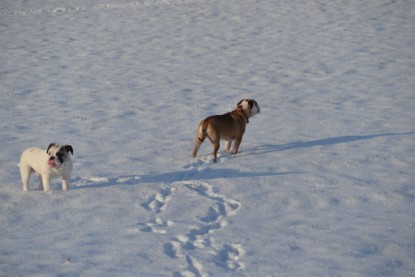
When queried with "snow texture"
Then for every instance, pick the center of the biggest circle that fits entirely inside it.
(324, 181)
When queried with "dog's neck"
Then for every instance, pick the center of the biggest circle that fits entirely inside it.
(241, 110)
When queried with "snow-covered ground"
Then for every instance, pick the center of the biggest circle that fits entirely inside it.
(324, 184)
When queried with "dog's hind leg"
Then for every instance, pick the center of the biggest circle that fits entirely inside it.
(25, 175)
(216, 146)
(198, 142)
(213, 135)
(228, 145)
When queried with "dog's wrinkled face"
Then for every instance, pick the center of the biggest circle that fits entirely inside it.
(58, 154)
(250, 107)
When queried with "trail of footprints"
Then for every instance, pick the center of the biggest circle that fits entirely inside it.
(183, 245)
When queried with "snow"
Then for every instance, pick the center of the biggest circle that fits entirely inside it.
(324, 181)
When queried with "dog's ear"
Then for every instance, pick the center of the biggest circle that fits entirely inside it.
(50, 145)
(69, 148)
(239, 103)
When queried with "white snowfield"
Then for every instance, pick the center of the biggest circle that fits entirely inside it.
(324, 184)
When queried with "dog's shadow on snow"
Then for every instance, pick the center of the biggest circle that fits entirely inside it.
(267, 148)
(170, 177)
(207, 172)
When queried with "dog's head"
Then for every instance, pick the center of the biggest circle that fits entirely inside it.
(58, 154)
(250, 107)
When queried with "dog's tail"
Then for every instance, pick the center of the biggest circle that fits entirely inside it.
(202, 131)
(201, 135)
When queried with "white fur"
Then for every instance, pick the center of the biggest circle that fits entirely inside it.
(36, 160)
(245, 106)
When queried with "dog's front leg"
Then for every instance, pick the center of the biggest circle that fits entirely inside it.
(236, 146)
(46, 182)
(65, 182)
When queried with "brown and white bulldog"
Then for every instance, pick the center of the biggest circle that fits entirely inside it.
(46, 164)
(229, 126)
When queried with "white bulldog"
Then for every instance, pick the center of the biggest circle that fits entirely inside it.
(46, 164)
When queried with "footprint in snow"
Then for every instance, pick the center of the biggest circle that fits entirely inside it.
(156, 225)
(228, 257)
(183, 245)
(158, 201)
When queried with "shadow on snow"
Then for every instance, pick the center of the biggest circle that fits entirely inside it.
(170, 177)
(267, 148)
(214, 173)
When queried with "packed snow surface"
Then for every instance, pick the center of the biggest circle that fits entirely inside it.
(324, 184)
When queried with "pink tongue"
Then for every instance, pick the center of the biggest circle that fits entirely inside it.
(52, 163)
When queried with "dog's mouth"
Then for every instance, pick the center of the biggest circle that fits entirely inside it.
(52, 163)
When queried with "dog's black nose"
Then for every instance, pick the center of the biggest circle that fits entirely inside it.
(51, 158)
